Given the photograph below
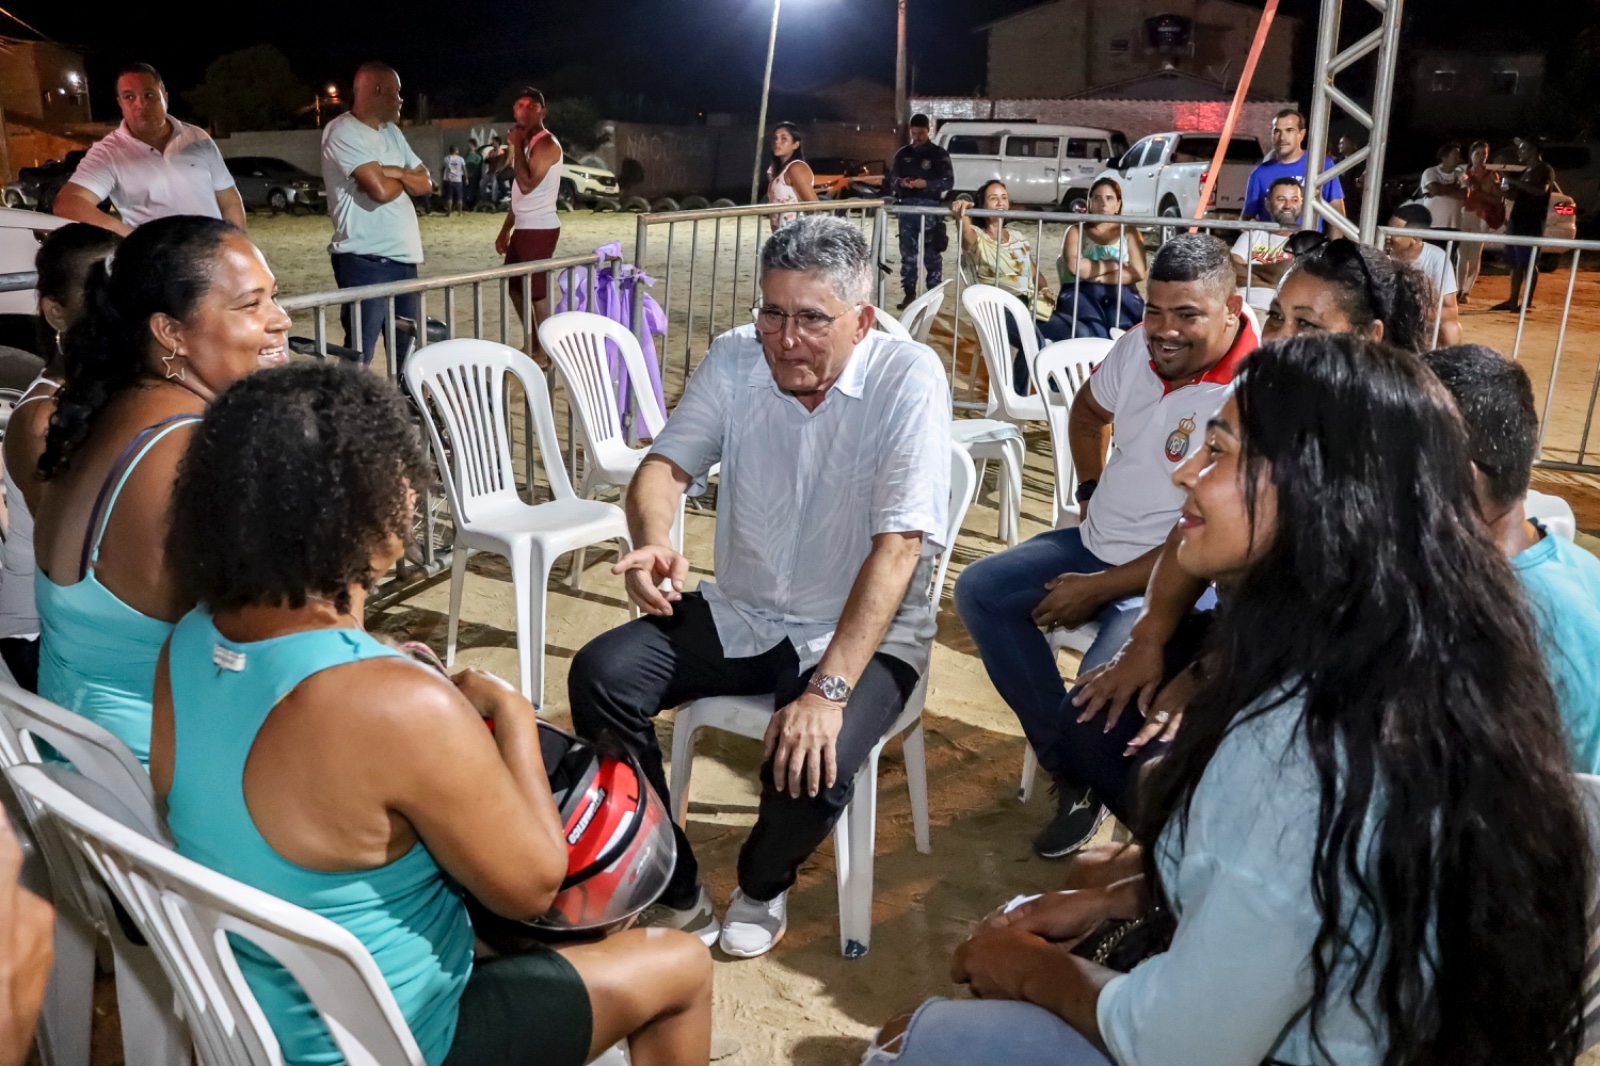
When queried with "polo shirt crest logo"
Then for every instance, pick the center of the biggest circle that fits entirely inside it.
(1178, 442)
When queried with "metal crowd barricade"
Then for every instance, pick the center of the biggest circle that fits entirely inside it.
(1581, 461)
(434, 554)
(702, 300)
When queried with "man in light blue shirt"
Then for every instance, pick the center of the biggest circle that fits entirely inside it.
(1288, 161)
(371, 174)
(1561, 579)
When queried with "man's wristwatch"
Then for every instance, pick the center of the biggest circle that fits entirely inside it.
(829, 687)
(1085, 489)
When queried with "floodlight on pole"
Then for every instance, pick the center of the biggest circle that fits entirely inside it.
(766, 90)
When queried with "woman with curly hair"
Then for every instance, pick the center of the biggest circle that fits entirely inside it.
(185, 308)
(298, 754)
(63, 266)
(1367, 829)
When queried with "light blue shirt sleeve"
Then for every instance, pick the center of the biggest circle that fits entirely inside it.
(693, 435)
(348, 147)
(412, 160)
(1255, 196)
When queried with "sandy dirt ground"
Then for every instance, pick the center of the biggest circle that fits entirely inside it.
(804, 1003)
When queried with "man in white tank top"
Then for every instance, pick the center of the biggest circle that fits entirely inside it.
(532, 225)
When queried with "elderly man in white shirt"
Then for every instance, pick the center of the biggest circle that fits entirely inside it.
(834, 443)
(151, 166)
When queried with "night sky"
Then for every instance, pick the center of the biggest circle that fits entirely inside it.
(688, 54)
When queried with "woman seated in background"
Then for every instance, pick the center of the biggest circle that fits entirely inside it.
(62, 265)
(1374, 764)
(1108, 261)
(185, 308)
(298, 754)
(1346, 287)
(997, 256)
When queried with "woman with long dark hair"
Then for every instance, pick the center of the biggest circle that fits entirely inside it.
(1366, 829)
(186, 307)
(63, 266)
(789, 177)
(1101, 266)
(1346, 287)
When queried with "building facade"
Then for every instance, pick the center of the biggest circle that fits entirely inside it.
(1478, 91)
(1066, 47)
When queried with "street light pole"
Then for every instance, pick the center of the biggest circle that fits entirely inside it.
(766, 89)
(900, 77)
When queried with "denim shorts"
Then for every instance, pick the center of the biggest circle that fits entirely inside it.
(986, 1032)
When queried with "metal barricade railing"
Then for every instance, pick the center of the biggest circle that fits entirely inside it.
(700, 294)
(1563, 445)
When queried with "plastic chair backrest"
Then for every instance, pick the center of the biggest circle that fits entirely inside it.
(26, 719)
(1063, 368)
(1553, 511)
(988, 307)
(576, 343)
(187, 913)
(963, 489)
(918, 318)
(1258, 297)
(464, 381)
(890, 325)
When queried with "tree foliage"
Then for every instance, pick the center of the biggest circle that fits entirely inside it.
(252, 89)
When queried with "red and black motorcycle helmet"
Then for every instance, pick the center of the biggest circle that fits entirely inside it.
(620, 847)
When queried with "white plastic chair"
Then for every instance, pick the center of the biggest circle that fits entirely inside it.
(918, 317)
(890, 325)
(576, 343)
(1554, 512)
(989, 308)
(1062, 368)
(152, 1034)
(463, 382)
(855, 833)
(1258, 297)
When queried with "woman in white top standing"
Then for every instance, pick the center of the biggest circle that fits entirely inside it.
(62, 263)
(532, 226)
(789, 176)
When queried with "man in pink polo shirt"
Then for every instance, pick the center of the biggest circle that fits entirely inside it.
(1155, 390)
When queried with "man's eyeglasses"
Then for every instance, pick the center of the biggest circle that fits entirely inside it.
(811, 323)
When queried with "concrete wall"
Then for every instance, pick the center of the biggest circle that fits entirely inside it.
(711, 161)
(1135, 118)
(1473, 104)
(303, 148)
(1070, 46)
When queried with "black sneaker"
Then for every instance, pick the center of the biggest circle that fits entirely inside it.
(905, 302)
(1077, 820)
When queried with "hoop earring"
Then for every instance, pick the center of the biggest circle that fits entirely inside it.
(166, 363)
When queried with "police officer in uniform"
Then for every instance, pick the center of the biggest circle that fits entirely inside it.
(921, 176)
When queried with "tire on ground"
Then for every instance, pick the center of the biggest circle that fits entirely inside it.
(695, 203)
(664, 203)
(637, 204)
(606, 203)
(723, 202)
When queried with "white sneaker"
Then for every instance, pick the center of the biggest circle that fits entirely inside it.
(698, 920)
(752, 928)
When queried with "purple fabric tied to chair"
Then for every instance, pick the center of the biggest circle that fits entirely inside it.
(614, 285)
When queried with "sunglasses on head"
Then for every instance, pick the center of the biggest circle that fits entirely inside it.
(1342, 252)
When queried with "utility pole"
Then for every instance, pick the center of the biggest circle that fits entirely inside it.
(766, 89)
(900, 115)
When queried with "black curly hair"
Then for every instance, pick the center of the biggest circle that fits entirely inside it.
(163, 267)
(1375, 287)
(63, 264)
(292, 480)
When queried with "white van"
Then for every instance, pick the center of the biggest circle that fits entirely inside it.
(1041, 165)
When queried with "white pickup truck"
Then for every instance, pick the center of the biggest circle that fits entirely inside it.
(1163, 174)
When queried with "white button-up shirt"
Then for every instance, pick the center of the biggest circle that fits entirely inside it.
(802, 493)
(147, 183)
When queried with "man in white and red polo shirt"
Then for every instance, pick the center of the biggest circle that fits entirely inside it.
(1156, 389)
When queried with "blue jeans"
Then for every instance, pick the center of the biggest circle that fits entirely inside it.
(987, 1032)
(351, 270)
(1100, 310)
(996, 597)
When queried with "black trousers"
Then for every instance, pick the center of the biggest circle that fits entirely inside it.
(624, 678)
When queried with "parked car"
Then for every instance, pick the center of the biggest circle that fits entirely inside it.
(586, 182)
(1041, 165)
(36, 187)
(835, 178)
(1577, 167)
(276, 184)
(20, 234)
(1163, 174)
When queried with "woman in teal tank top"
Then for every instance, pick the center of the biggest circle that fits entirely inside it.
(299, 755)
(185, 308)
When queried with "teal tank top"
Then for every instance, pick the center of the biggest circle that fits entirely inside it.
(409, 916)
(97, 655)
